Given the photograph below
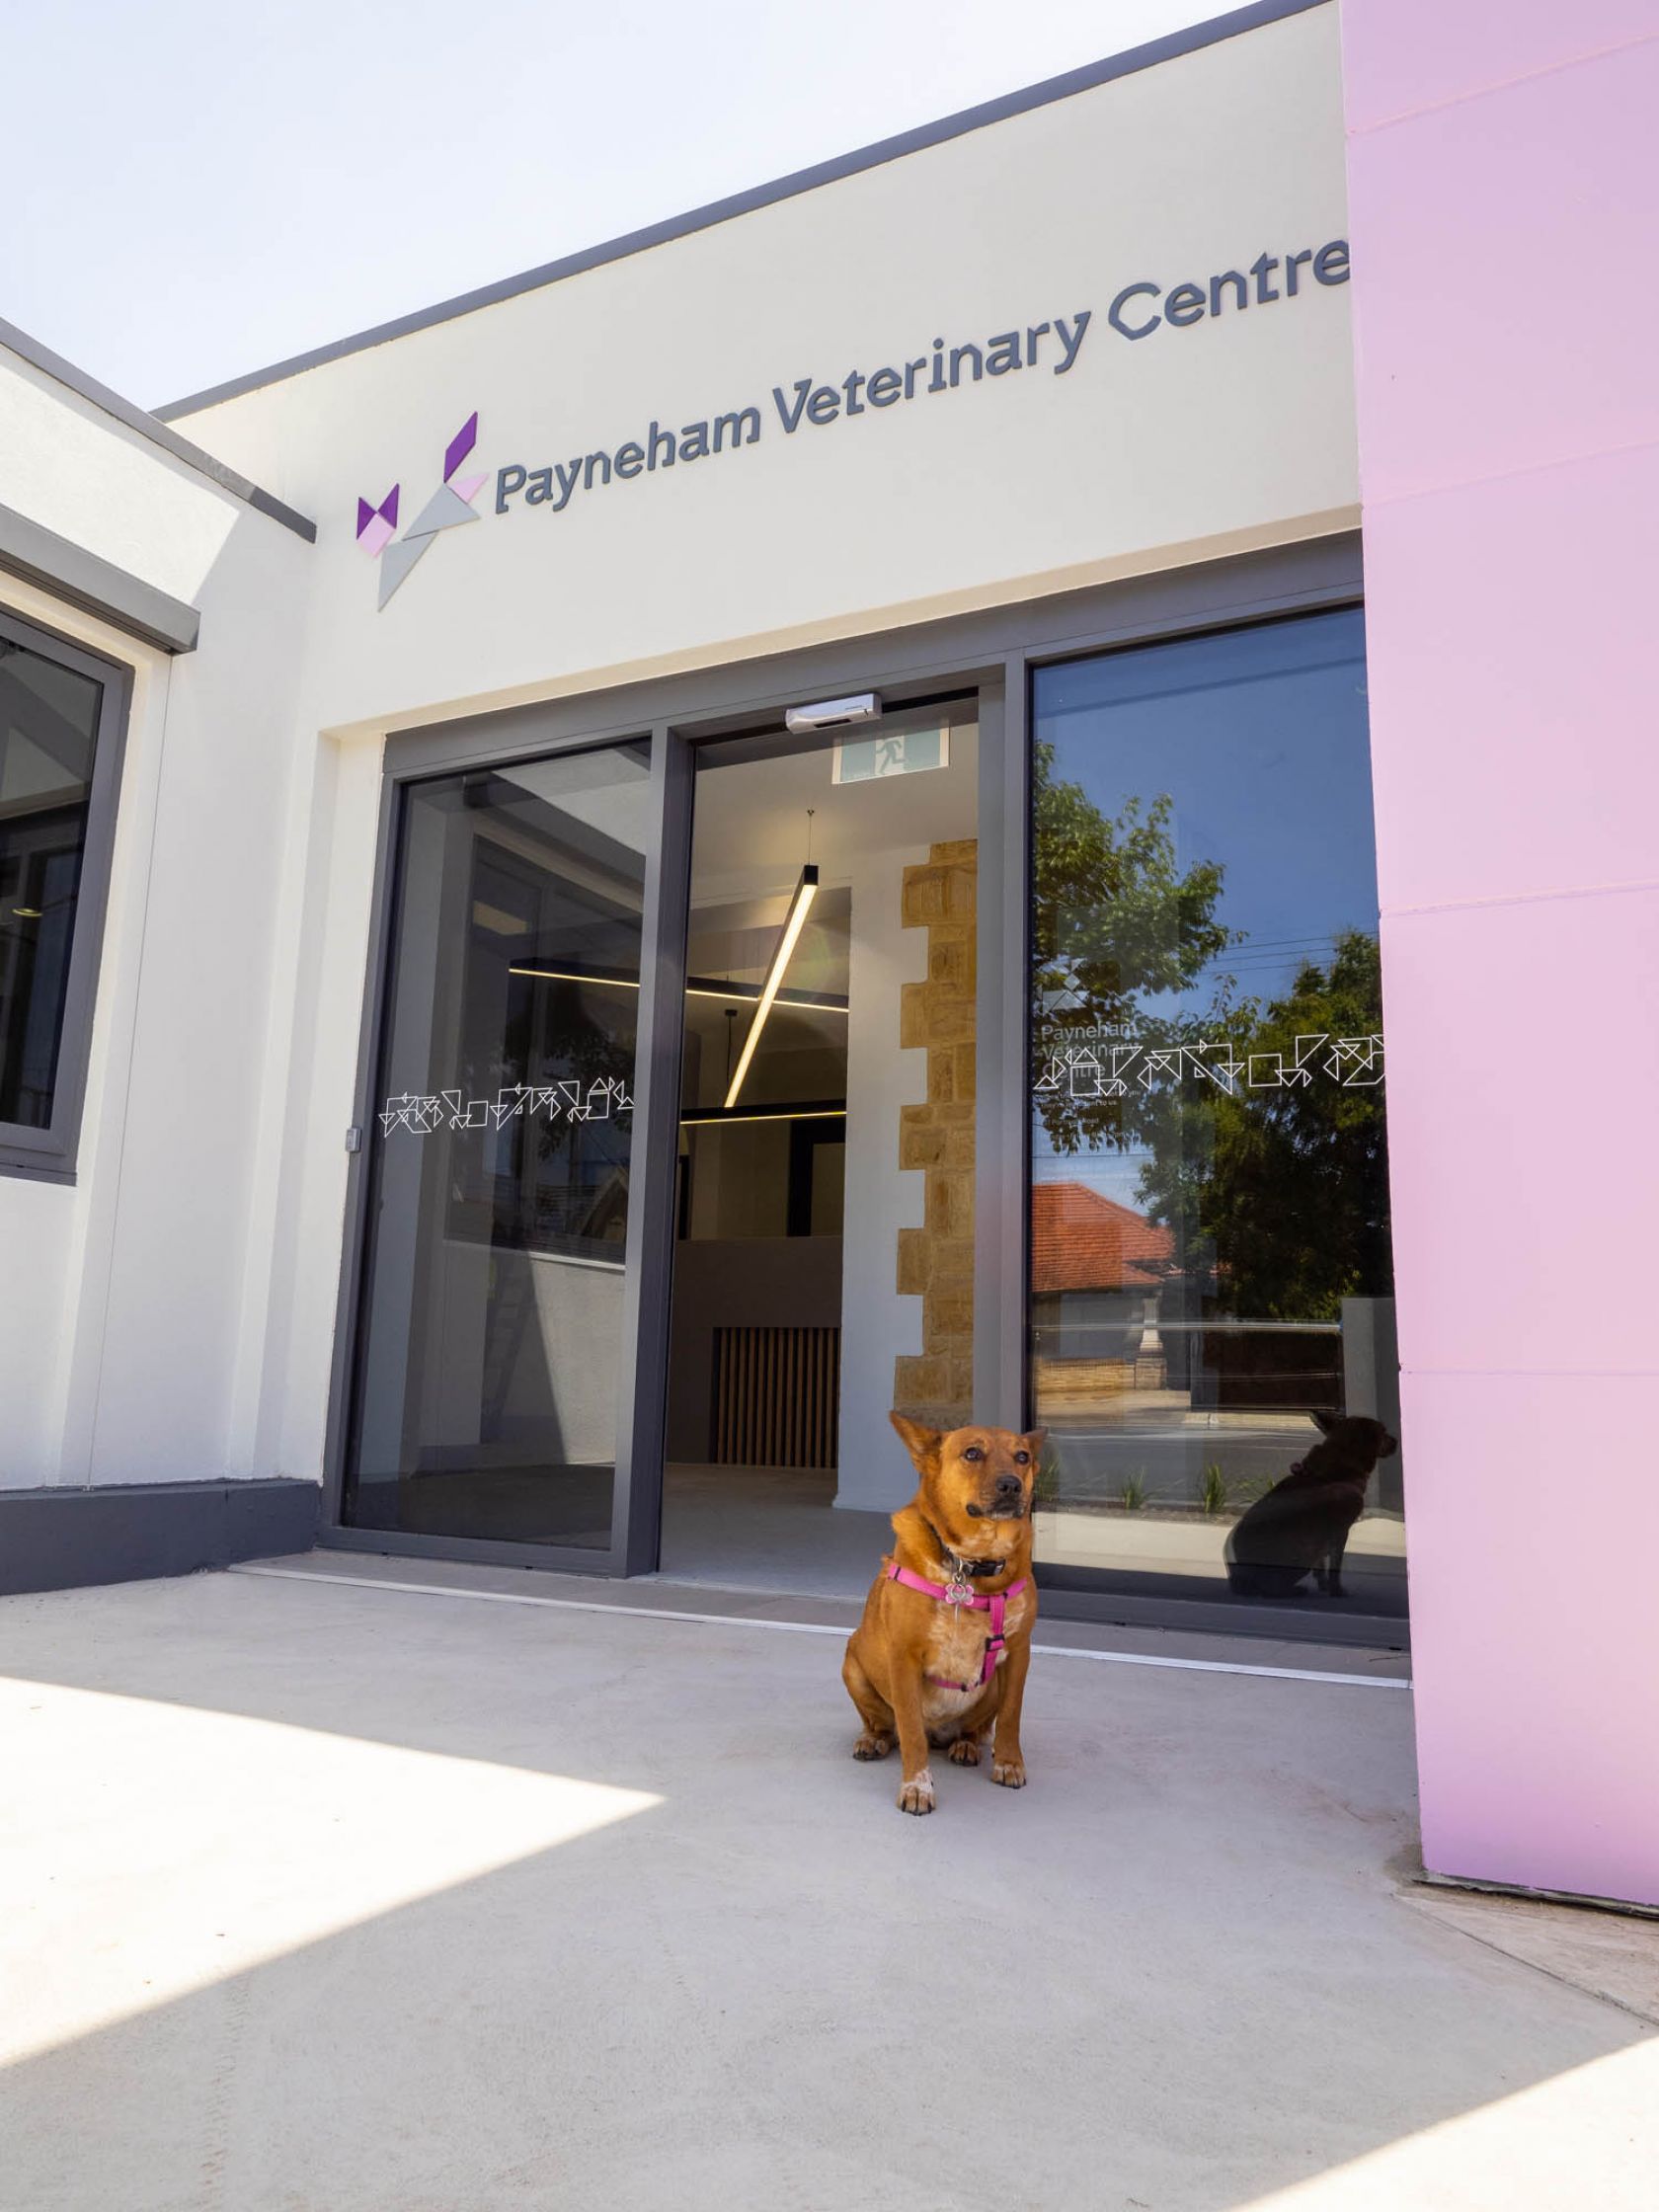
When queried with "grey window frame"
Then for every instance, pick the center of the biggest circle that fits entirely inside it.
(50, 1154)
(992, 652)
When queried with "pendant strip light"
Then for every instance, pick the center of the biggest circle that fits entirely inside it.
(812, 1002)
(794, 923)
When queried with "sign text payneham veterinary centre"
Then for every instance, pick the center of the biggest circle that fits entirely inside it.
(1137, 312)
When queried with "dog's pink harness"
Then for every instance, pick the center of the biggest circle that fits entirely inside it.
(959, 1594)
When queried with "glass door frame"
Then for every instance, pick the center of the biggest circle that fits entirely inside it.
(478, 744)
(992, 652)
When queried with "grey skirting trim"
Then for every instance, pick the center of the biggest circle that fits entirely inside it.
(120, 1531)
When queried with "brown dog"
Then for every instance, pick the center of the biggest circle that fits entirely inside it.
(946, 1663)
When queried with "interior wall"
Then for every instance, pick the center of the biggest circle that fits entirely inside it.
(751, 1282)
(878, 1322)
(740, 1186)
(1509, 436)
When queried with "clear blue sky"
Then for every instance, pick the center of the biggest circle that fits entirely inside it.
(196, 188)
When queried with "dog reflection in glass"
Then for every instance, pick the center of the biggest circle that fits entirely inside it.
(1300, 1527)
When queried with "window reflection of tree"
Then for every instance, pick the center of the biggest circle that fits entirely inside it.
(1277, 1199)
(1287, 1186)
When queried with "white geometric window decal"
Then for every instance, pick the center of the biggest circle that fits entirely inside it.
(423, 1112)
(1107, 1070)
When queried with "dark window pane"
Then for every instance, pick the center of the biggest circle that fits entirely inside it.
(48, 728)
(487, 1385)
(1212, 1292)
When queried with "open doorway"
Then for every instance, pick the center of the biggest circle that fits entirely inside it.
(824, 1216)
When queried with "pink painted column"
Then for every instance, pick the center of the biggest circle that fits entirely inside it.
(1503, 167)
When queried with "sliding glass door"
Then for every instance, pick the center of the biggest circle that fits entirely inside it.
(489, 1387)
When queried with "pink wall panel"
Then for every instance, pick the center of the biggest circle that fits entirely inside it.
(1411, 54)
(1527, 1223)
(1557, 578)
(1506, 244)
(1504, 212)
(1535, 1727)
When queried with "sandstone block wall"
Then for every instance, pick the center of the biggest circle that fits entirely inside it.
(936, 1261)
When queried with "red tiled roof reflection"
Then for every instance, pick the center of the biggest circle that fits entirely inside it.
(1082, 1241)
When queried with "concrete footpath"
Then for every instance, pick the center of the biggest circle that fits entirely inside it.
(321, 1898)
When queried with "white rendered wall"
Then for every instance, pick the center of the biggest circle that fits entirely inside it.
(35, 1230)
(122, 1296)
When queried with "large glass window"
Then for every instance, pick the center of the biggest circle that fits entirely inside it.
(1212, 1321)
(57, 724)
(488, 1386)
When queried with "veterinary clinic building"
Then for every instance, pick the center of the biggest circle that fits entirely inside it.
(905, 791)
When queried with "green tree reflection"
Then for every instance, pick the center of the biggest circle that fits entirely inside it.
(1115, 921)
(1276, 1197)
(1288, 1188)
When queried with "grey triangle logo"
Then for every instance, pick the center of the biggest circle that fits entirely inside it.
(397, 561)
(450, 505)
(441, 512)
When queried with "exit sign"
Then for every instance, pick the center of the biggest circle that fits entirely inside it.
(895, 753)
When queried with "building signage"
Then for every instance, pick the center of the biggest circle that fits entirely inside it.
(450, 504)
(804, 405)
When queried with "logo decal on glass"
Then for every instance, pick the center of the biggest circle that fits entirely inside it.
(450, 505)
(1354, 1062)
(424, 1112)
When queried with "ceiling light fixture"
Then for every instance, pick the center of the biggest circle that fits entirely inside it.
(820, 1002)
(717, 1117)
(578, 976)
(812, 1002)
(794, 923)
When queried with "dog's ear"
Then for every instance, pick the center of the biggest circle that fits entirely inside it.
(1329, 1422)
(921, 1444)
(1034, 1440)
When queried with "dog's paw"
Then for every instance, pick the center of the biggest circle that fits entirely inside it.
(1011, 1773)
(871, 1747)
(916, 1794)
(965, 1751)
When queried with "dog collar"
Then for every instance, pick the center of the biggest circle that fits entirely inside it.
(971, 1569)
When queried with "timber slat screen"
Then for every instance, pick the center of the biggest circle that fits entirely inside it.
(776, 1397)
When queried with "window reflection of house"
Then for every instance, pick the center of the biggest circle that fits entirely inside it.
(1098, 1273)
